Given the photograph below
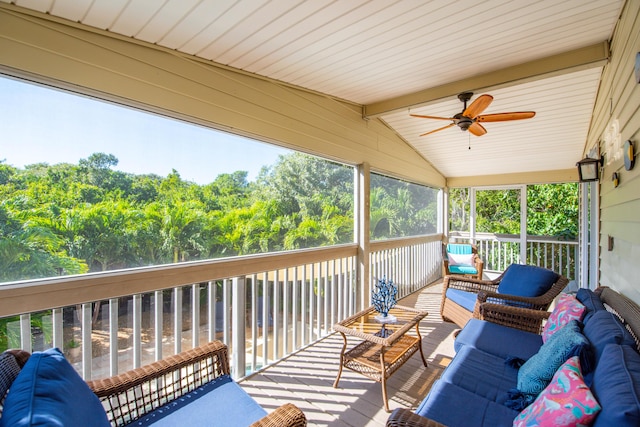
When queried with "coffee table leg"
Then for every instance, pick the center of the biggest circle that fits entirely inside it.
(344, 347)
(424, 361)
(383, 375)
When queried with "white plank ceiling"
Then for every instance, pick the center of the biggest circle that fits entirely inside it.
(369, 51)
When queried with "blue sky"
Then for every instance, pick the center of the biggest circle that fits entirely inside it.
(41, 125)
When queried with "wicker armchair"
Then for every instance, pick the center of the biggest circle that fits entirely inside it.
(472, 268)
(131, 395)
(503, 307)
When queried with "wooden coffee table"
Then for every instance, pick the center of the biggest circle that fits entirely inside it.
(385, 346)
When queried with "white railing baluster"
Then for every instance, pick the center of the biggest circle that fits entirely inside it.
(276, 315)
(177, 320)
(158, 319)
(25, 332)
(195, 315)
(86, 340)
(137, 330)
(58, 330)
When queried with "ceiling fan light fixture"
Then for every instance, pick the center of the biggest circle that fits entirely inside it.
(465, 123)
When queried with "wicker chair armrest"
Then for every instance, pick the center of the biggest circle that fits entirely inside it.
(534, 303)
(404, 417)
(541, 302)
(514, 317)
(287, 415)
(468, 284)
(132, 394)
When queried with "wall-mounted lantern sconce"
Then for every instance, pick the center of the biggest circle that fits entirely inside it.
(588, 169)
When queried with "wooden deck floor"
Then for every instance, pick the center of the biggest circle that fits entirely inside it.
(306, 378)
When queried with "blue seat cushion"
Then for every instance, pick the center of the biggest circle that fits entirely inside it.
(482, 374)
(498, 339)
(49, 392)
(454, 406)
(526, 280)
(616, 386)
(462, 298)
(462, 269)
(219, 403)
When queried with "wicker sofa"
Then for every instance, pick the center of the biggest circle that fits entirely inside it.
(519, 285)
(477, 388)
(191, 388)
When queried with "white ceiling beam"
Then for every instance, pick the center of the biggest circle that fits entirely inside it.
(579, 59)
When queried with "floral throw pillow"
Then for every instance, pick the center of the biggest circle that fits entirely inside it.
(566, 401)
(567, 309)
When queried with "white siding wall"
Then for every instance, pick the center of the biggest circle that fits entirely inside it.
(618, 102)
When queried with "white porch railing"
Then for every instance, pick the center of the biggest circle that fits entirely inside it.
(500, 250)
(264, 306)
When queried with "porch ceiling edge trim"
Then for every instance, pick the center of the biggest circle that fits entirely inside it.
(579, 59)
(543, 177)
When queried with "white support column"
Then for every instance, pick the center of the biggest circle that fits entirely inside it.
(361, 217)
(472, 215)
(594, 235)
(523, 224)
(583, 280)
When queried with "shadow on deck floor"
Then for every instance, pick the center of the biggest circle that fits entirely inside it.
(306, 378)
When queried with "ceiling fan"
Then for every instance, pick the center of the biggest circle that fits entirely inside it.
(470, 118)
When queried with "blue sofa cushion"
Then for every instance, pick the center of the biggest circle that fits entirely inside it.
(498, 340)
(526, 280)
(463, 298)
(536, 372)
(616, 386)
(218, 403)
(49, 392)
(605, 328)
(591, 300)
(482, 374)
(454, 406)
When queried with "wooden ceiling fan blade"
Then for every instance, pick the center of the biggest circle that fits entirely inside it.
(504, 117)
(420, 116)
(478, 106)
(438, 130)
(477, 129)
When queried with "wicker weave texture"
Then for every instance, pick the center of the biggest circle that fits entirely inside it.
(133, 394)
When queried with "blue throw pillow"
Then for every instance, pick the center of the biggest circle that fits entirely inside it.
(526, 280)
(49, 392)
(591, 300)
(536, 373)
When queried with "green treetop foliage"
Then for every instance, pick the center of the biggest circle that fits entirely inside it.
(71, 219)
(552, 210)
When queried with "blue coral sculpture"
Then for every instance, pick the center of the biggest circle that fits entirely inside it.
(383, 297)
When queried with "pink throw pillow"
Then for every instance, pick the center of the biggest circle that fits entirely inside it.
(567, 309)
(566, 401)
